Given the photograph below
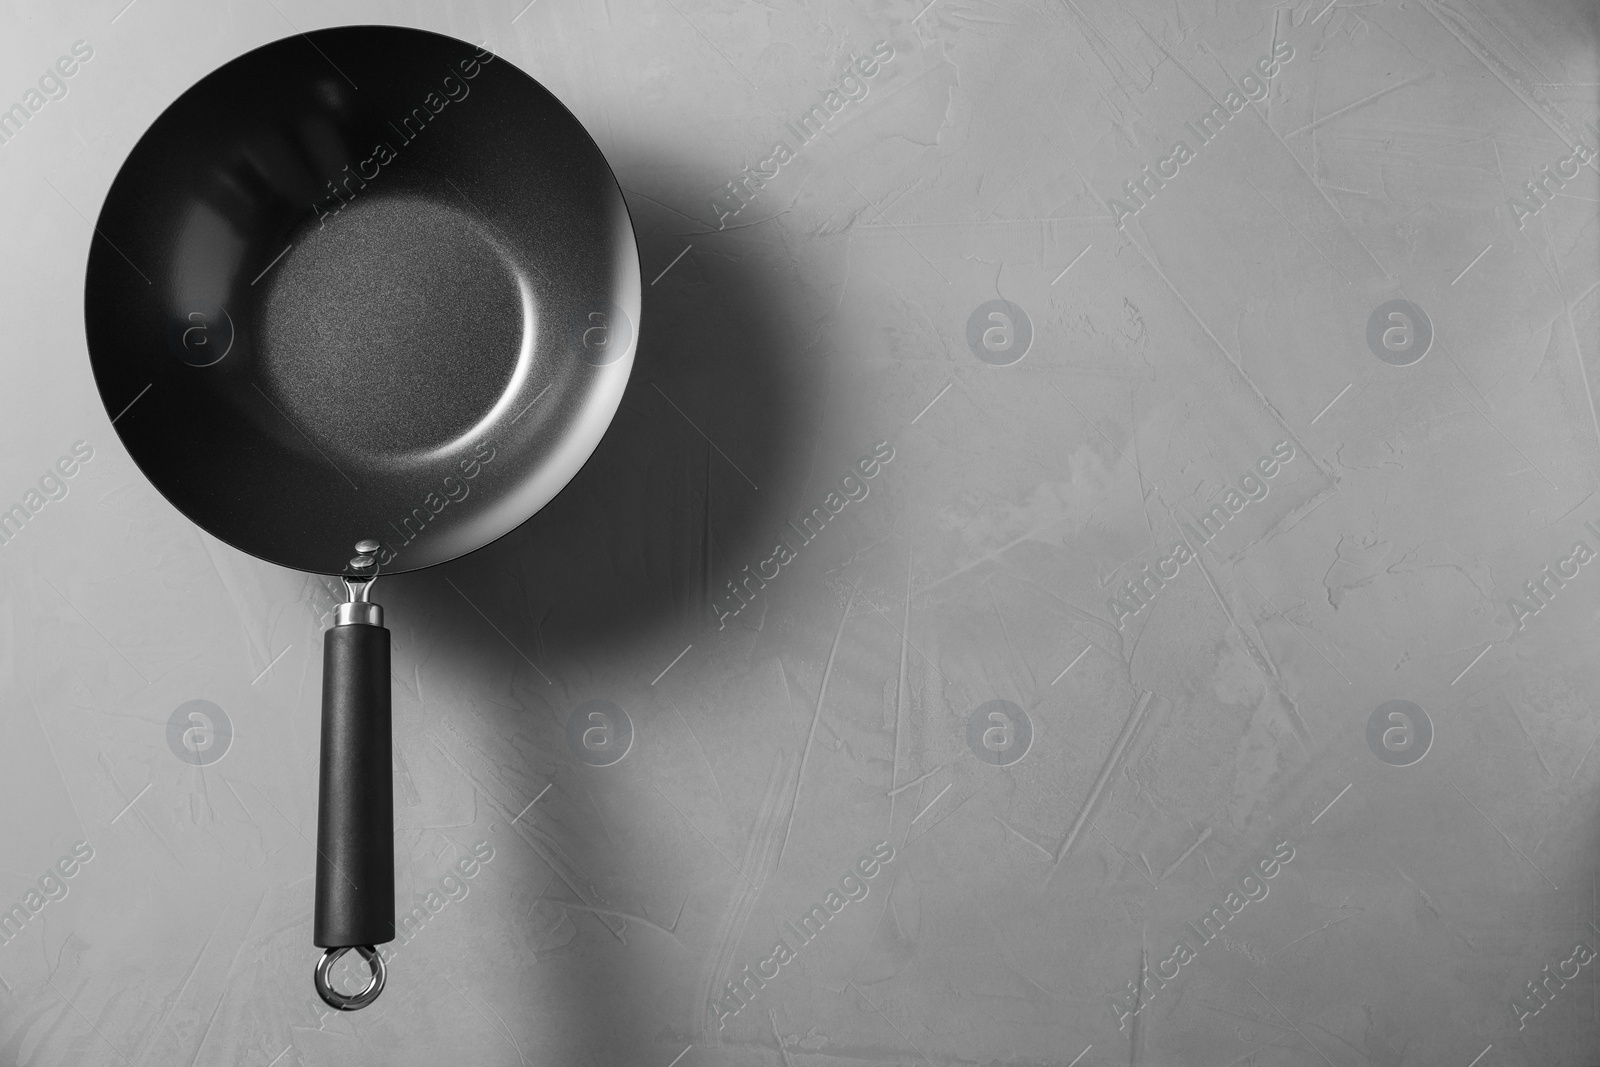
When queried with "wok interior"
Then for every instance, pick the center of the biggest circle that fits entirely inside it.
(380, 313)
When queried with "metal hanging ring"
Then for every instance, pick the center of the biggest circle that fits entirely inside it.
(344, 1001)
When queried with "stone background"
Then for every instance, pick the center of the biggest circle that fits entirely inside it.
(1152, 752)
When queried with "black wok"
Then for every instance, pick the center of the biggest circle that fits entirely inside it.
(360, 301)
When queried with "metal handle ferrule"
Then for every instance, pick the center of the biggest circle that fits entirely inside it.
(357, 613)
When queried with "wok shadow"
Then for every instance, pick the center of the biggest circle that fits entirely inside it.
(595, 594)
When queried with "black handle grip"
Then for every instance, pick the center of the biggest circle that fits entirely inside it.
(355, 809)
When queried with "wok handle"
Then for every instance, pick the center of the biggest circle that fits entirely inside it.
(355, 809)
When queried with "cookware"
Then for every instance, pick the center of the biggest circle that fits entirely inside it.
(363, 299)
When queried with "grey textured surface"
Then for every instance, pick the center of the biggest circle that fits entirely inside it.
(1199, 534)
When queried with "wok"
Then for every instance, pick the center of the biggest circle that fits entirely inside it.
(362, 300)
